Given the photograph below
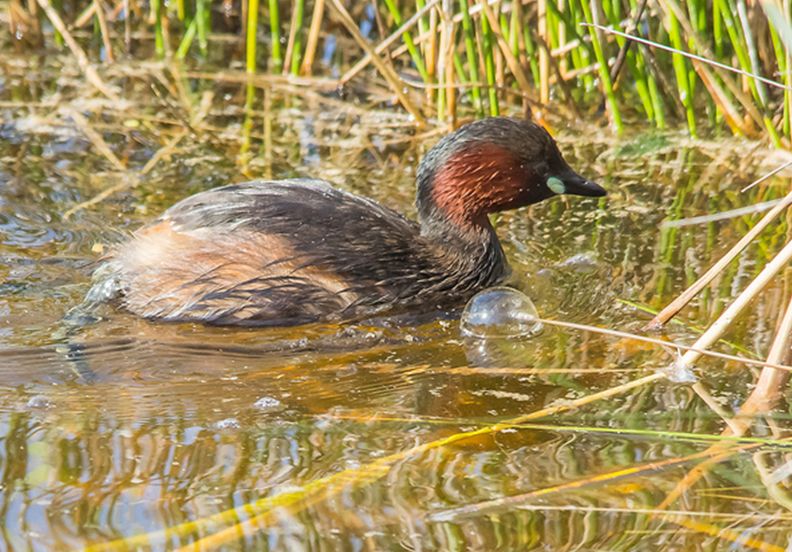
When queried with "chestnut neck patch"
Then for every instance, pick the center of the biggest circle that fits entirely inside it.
(479, 179)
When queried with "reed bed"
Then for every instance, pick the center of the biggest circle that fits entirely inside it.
(658, 63)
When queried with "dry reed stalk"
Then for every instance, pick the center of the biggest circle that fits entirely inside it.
(621, 57)
(116, 11)
(574, 508)
(387, 72)
(713, 333)
(680, 302)
(445, 67)
(294, 28)
(667, 344)
(385, 44)
(725, 320)
(85, 17)
(765, 177)
(511, 502)
(725, 533)
(365, 417)
(82, 60)
(431, 47)
(96, 139)
(762, 400)
(165, 150)
(313, 37)
(730, 113)
(133, 180)
(503, 44)
(562, 83)
(500, 69)
(34, 16)
(127, 27)
(751, 209)
(450, 88)
(768, 391)
(776, 487)
(492, 370)
(307, 85)
(544, 60)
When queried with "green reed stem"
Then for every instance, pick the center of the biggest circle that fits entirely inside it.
(299, 16)
(96, 30)
(738, 42)
(698, 19)
(717, 29)
(582, 55)
(408, 40)
(759, 89)
(252, 32)
(440, 80)
(472, 57)
(634, 62)
(778, 49)
(57, 37)
(515, 26)
(640, 66)
(725, 10)
(274, 20)
(187, 39)
(203, 17)
(423, 24)
(753, 55)
(747, 55)
(159, 40)
(788, 98)
(657, 99)
(514, 33)
(681, 73)
(604, 71)
(781, 34)
(531, 52)
(487, 44)
(460, 69)
(639, 73)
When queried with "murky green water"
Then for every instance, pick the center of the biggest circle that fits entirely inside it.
(310, 438)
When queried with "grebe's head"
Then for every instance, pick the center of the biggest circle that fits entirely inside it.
(493, 165)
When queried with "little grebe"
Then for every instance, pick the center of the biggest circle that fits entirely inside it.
(274, 253)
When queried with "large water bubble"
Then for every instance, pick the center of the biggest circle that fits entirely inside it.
(500, 312)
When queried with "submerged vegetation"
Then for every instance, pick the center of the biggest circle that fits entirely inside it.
(719, 64)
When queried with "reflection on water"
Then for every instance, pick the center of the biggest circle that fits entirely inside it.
(127, 428)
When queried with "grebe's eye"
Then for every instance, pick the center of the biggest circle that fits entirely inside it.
(556, 185)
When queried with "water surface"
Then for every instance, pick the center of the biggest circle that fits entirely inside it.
(125, 428)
